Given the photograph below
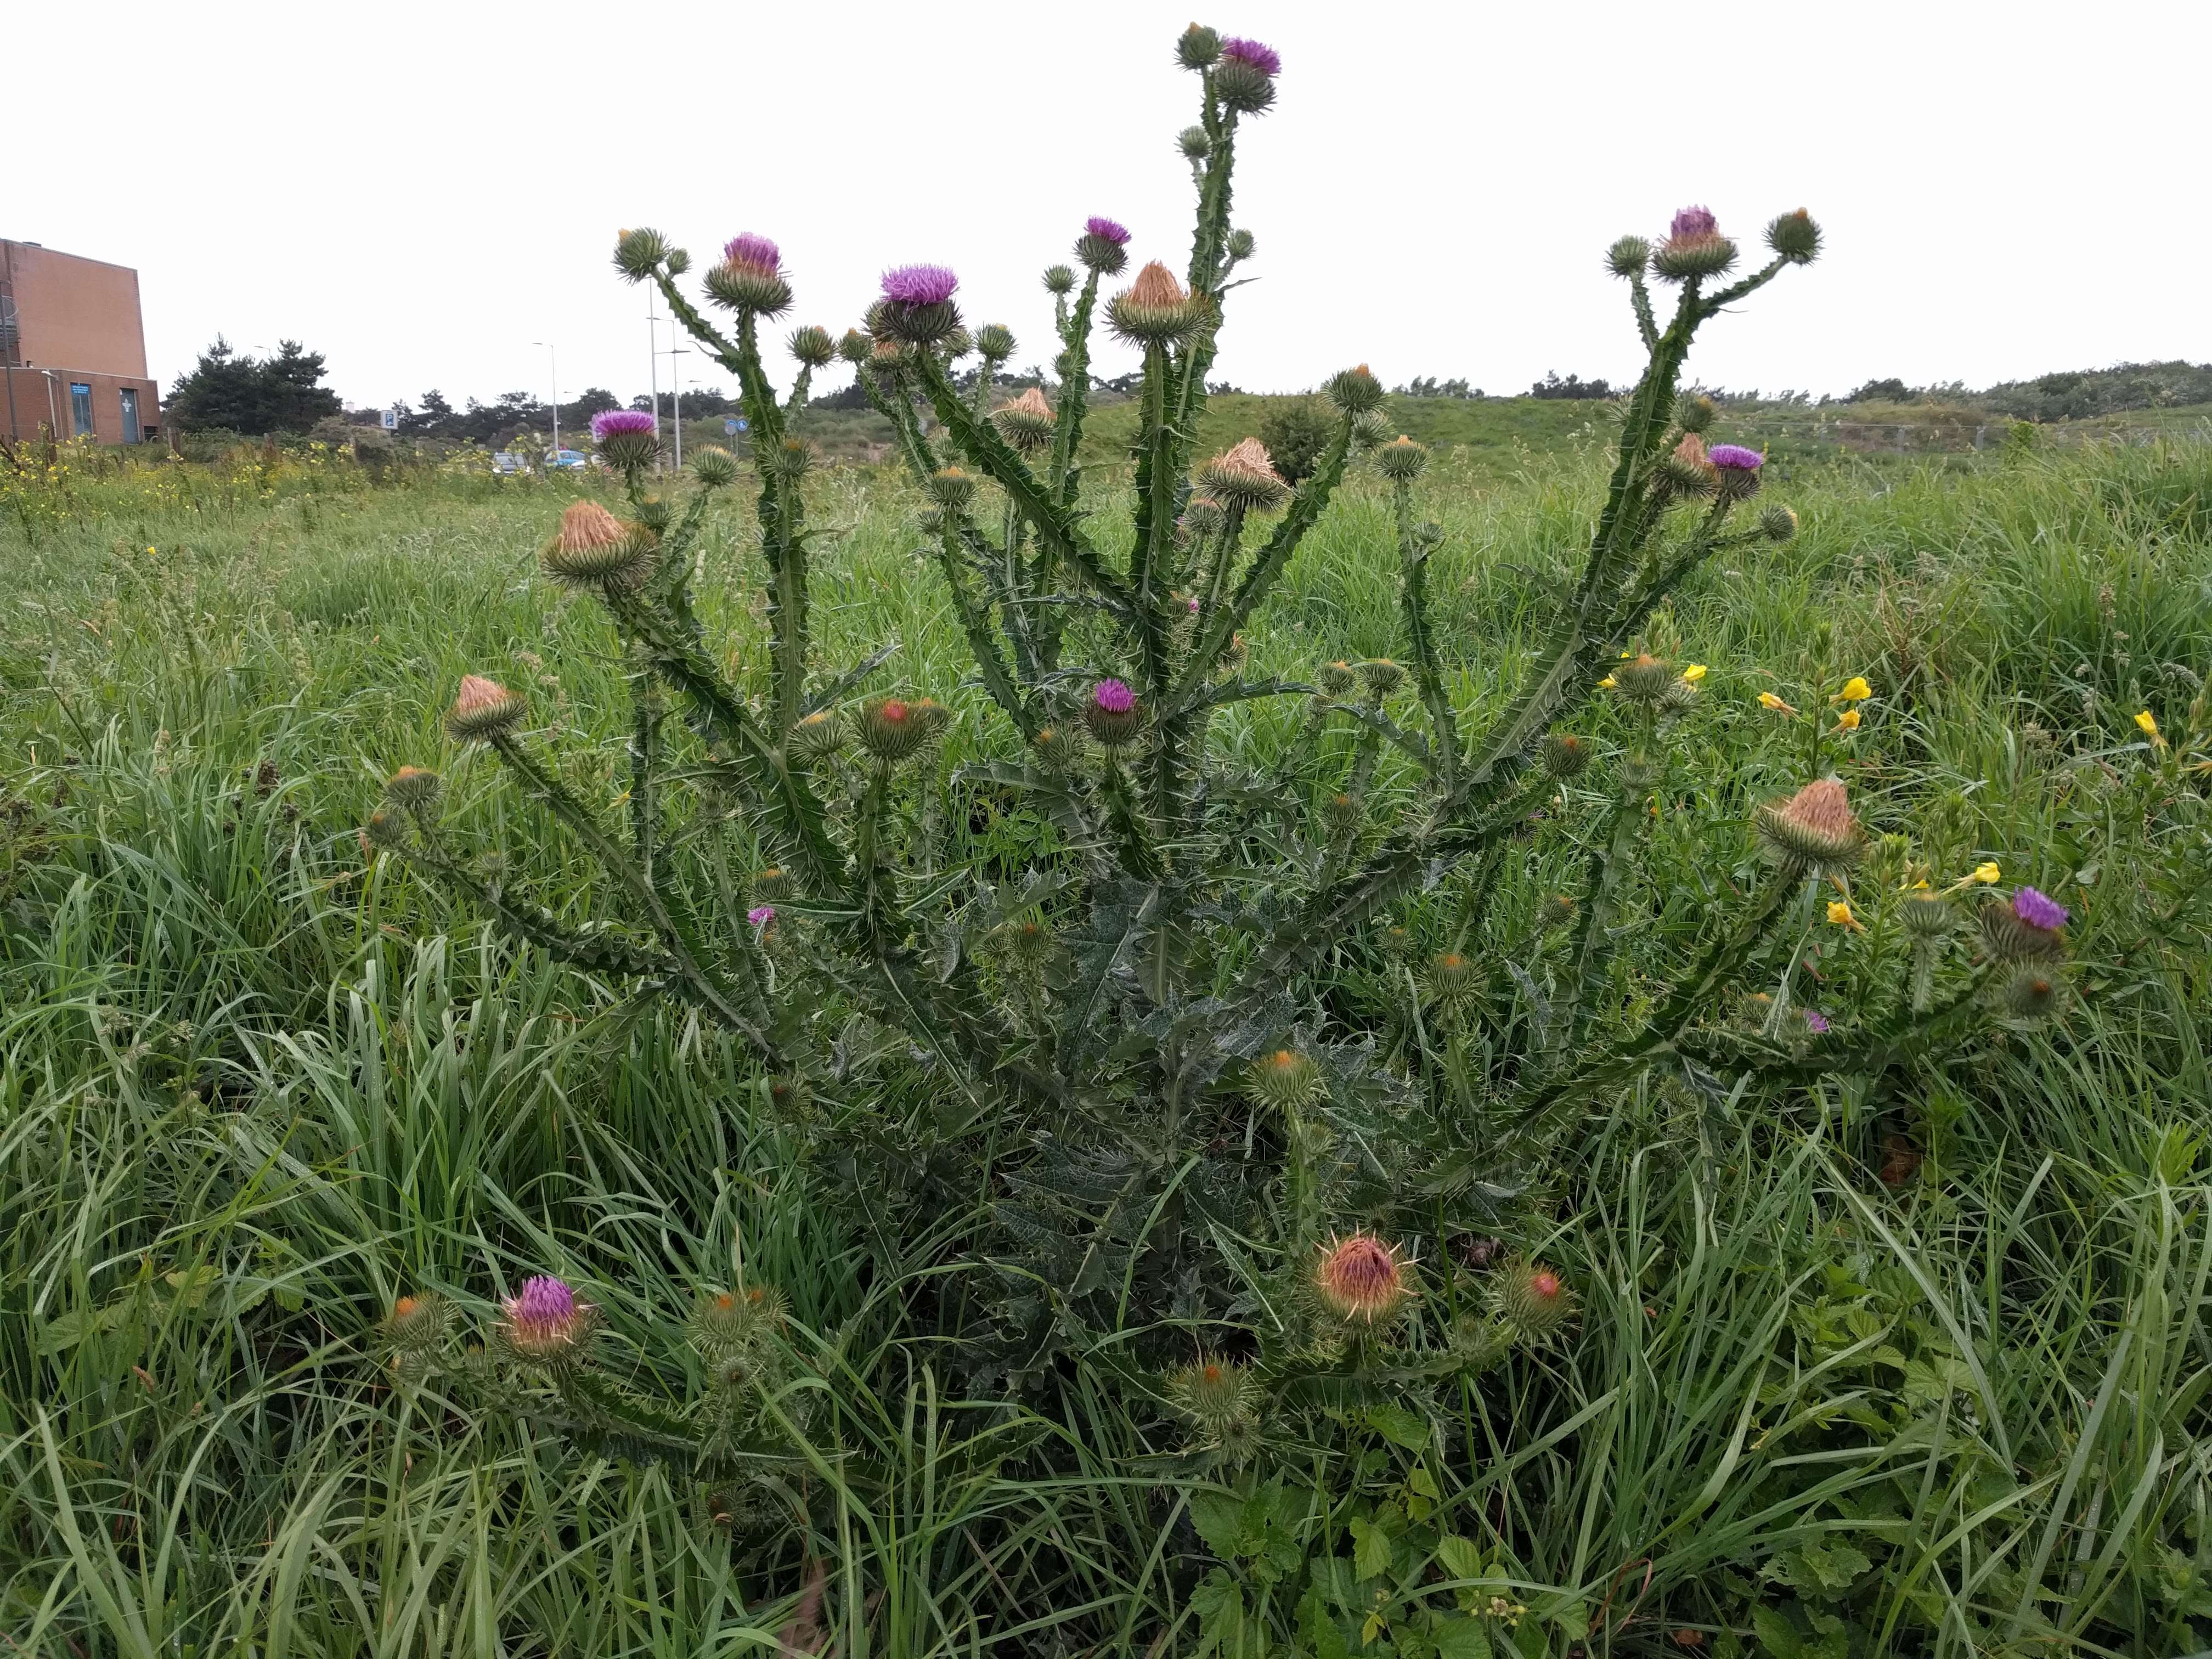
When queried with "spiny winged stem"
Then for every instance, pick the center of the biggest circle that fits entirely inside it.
(1413, 550)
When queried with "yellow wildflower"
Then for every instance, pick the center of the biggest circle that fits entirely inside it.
(1856, 689)
(1695, 672)
(1987, 873)
(1608, 684)
(1848, 720)
(2146, 720)
(1768, 700)
(1839, 912)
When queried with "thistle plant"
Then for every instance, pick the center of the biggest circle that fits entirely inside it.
(1197, 1017)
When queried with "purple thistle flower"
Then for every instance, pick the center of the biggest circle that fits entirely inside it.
(1194, 604)
(1693, 221)
(761, 915)
(544, 1300)
(1816, 1021)
(1114, 696)
(2038, 909)
(1735, 455)
(747, 249)
(920, 285)
(1264, 59)
(1112, 229)
(610, 422)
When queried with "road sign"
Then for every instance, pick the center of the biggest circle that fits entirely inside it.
(735, 424)
(389, 420)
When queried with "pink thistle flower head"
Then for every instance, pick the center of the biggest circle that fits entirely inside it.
(544, 1321)
(1112, 229)
(1264, 59)
(1114, 696)
(920, 285)
(1735, 456)
(2038, 909)
(761, 915)
(1691, 222)
(747, 248)
(1361, 1278)
(611, 422)
(1816, 1021)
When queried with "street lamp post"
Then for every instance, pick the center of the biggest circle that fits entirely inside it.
(676, 398)
(652, 361)
(555, 360)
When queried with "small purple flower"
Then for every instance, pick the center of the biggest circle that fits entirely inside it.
(612, 422)
(1816, 1021)
(1114, 696)
(1194, 604)
(747, 249)
(920, 285)
(1735, 455)
(544, 1300)
(2038, 909)
(1691, 222)
(1266, 59)
(1112, 229)
(761, 915)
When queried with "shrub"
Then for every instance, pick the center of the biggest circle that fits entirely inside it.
(1295, 432)
(1221, 1060)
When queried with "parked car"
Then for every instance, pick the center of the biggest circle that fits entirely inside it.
(566, 461)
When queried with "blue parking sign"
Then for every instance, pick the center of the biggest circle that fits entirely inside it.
(735, 424)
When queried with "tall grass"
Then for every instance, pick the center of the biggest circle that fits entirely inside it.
(1953, 1403)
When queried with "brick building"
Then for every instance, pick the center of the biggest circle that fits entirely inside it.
(72, 348)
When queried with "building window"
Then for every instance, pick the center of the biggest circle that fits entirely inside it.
(129, 414)
(81, 408)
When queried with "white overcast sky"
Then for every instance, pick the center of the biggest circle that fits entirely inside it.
(421, 191)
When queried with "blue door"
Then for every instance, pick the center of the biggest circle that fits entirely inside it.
(81, 408)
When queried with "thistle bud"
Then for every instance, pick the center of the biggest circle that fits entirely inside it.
(893, 729)
(714, 467)
(638, 253)
(1644, 678)
(1564, 754)
(1244, 475)
(1027, 423)
(1337, 677)
(1355, 391)
(2031, 992)
(1198, 48)
(1533, 1297)
(812, 346)
(386, 828)
(1341, 812)
(956, 346)
(483, 710)
(544, 1324)
(794, 458)
(1193, 144)
(1695, 412)
(1556, 911)
(1241, 244)
(1361, 1278)
(917, 305)
(1401, 460)
(1628, 257)
(1112, 714)
(1452, 978)
(1058, 279)
(1153, 310)
(416, 1324)
(1234, 654)
(996, 341)
(1777, 523)
(1203, 516)
(1687, 469)
(1814, 829)
(1028, 943)
(1285, 1080)
(854, 347)
(412, 789)
(1103, 245)
(952, 489)
(774, 883)
(1928, 916)
(1057, 747)
(815, 737)
(1794, 237)
(1217, 1395)
(1382, 675)
(1244, 79)
(1695, 247)
(629, 440)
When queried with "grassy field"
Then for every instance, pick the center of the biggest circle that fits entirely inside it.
(1922, 1374)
